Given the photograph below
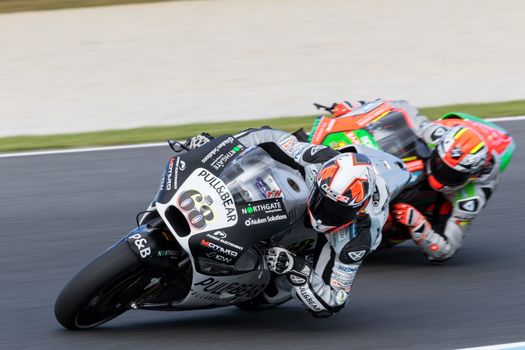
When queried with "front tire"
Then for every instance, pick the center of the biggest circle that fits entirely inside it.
(102, 290)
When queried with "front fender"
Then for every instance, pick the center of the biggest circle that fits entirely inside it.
(153, 244)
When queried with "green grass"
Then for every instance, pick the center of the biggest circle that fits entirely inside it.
(161, 133)
(7, 6)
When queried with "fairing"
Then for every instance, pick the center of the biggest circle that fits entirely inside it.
(219, 201)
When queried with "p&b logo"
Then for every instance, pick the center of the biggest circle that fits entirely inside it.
(141, 243)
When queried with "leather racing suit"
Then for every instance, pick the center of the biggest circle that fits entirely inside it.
(324, 287)
(454, 215)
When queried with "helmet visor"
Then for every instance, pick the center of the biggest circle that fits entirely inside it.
(328, 211)
(445, 174)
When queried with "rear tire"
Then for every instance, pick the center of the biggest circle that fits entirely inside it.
(102, 290)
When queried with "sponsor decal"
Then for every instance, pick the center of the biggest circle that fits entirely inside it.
(333, 195)
(353, 138)
(320, 130)
(265, 211)
(224, 158)
(180, 165)
(378, 111)
(343, 280)
(309, 298)
(266, 208)
(214, 255)
(218, 248)
(252, 221)
(223, 259)
(357, 255)
(220, 236)
(330, 125)
(366, 140)
(169, 174)
(141, 244)
(170, 177)
(167, 252)
(287, 142)
(220, 188)
(274, 194)
(213, 298)
(211, 207)
(216, 287)
(217, 149)
(345, 268)
(219, 157)
(197, 217)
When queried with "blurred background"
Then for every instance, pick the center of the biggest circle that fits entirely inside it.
(79, 69)
(178, 62)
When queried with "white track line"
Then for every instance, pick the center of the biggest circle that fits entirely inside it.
(504, 119)
(159, 144)
(80, 150)
(514, 346)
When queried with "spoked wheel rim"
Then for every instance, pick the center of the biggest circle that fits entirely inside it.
(111, 300)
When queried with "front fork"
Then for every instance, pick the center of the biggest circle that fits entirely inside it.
(160, 252)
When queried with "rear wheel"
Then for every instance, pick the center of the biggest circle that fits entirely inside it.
(103, 290)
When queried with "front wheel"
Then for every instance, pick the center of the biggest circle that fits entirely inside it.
(103, 290)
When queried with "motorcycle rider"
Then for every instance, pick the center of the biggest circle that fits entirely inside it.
(464, 166)
(347, 202)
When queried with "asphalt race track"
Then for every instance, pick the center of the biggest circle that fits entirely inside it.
(59, 211)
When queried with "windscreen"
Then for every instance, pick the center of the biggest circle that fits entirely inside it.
(394, 136)
(255, 176)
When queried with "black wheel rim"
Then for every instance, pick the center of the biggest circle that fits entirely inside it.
(111, 300)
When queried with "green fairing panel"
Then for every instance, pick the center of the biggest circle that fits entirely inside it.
(466, 192)
(336, 140)
(507, 155)
(366, 139)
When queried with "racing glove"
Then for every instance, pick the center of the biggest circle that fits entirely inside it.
(408, 215)
(283, 262)
(434, 246)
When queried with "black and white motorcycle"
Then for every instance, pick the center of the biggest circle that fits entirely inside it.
(201, 242)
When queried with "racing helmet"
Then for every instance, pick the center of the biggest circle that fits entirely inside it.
(341, 190)
(460, 154)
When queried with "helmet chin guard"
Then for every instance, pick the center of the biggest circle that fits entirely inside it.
(459, 155)
(343, 188)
